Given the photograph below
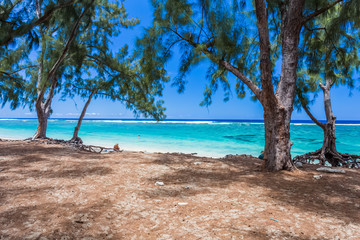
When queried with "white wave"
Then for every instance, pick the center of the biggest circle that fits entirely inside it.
(345, 124)
(72, 121)
(302, 124)
(9, 119)
(164, 122)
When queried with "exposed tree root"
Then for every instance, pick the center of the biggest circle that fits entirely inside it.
(75, 144)
(334, 158)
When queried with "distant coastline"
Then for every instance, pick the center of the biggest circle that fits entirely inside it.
(188, 120)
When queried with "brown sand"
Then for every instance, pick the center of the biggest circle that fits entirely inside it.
(55, 192)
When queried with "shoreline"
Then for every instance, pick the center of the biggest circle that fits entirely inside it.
(2, 139)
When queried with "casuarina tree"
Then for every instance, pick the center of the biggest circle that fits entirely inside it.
(328, 57)
(98, 72)
(239, 38)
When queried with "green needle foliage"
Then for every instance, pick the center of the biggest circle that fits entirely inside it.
(18, 18)
(202, 30)
(244, 38)
(329, 57)
(101, 73)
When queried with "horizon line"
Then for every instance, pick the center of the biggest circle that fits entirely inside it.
(182, 119)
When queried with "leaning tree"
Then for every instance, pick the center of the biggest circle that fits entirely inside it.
(118, 78)
(240, 39)
(56, 46)
(328, 57)
(96, 71)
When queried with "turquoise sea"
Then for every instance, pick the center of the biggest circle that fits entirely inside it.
(214, 138)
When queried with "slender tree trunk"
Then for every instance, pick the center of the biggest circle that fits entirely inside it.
(43, 110)
(328, 150)
(75, 137)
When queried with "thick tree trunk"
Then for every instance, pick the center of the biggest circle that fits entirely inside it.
(75, 137)
(277, 140)
(279, 106)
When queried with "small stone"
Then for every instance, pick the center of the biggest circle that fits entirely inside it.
(159, 184)
(197, 163)
(298, 164)
(317, 177)
(187, 187)
(182, 203)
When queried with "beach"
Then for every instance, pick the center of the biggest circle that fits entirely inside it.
(51, 191)
(208, 138)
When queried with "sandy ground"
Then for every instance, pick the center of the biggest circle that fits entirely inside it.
(55, 192)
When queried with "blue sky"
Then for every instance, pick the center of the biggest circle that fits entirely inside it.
(186, 105)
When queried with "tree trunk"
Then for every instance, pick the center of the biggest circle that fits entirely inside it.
(42, 119)
(278, 106)
(328, 150)
(277, 140)
(43, 109)
(75, 137)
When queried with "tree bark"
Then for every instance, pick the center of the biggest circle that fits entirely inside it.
(278, 106)
(43, 108)
(277, 140)
(328, 150)
(75, 137)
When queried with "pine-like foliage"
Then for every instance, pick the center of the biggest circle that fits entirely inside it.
(218, 31)
(18, 18)
(201, 30)
(329, 51)
(95, 69)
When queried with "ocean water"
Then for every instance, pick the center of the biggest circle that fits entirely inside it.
(206, 138)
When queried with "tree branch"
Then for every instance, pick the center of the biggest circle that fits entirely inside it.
(68, 43)
(18, 70)
(25, 28)
(317, 122)
(320, 11)
(265, 53)
(255, 89)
